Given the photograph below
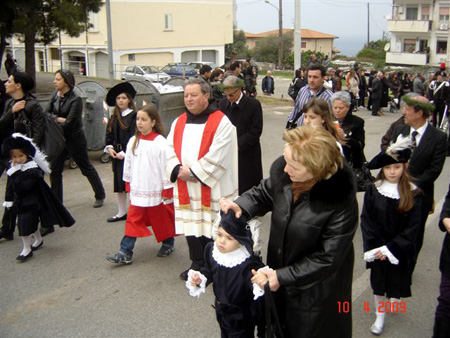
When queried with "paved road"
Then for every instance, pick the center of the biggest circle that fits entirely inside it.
(69, 290)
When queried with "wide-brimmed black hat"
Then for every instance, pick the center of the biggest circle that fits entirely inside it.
(398, 152)
(123, 87)
(238, 228)
(18, 141)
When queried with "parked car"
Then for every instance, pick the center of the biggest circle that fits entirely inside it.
(199, 64)
(144, 73)
(179, 69)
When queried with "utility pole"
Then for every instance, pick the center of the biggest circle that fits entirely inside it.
(110, 48)
(280, 35)
(368, 23)
(297, 37)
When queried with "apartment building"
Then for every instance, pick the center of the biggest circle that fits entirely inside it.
(419, 32)
(311, 40)
(144, 32)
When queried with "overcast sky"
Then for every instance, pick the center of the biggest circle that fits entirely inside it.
(345, 18)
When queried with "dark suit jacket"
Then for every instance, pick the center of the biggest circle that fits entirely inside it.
(353, 127)
(248, 120)
(427, 159)
(444, 264)
(377, 88)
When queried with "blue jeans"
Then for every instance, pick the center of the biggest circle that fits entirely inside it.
(127, 244)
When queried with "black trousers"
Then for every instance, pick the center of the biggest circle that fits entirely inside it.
(196, 250)
(442, 317)
(79, 153)
(376, 105)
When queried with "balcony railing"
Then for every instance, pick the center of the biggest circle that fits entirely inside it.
(413, 26)
(413, 59)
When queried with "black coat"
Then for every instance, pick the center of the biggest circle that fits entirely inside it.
(69, 107)
(444, 264)
(33, 112)
(355, 136)
(248, 119)
(427, 160)
(377, 88)
(382, 224)
(311, 249)
(268, 84)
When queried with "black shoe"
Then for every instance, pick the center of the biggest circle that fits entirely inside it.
(46, 231)
(184, 274)
(116, 219)
(98, 203)
(120, 259)
(165, 250)
(21, 258)
(6, 236)
(34, 248)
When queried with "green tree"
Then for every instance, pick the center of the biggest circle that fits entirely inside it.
(266, 49)
(373, 51)
(7, 16)
(239, 45)
(41, 21)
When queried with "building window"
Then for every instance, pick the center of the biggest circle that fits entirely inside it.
(444, 11)
(93, 20)
(441, 47)
(412, 13)
(425, 12)
(54, 54)
(409, 45)
(303, 44)
(168, 22)
(131, 57)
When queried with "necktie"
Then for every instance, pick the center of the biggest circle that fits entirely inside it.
(413, 138)
(234, 106)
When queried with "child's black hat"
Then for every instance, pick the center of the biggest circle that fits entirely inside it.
(18, 141)
(238, 228)
(123, 87)
(398, 152)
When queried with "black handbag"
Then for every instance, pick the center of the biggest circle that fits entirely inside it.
(363, 177)
(273, 326)
(54, 141)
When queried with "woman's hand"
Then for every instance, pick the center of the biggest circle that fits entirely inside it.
(18, 106)
(60, 120)
(272, 278)
(226, 204)
(119, 156)
(446, 222)
(340, 132)
(112, 152)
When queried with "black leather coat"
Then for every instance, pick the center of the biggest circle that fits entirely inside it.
(32, 112)
(69, 107)
(311, 249)
(444, 264)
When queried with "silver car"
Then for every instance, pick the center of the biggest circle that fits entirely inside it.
(144, 73)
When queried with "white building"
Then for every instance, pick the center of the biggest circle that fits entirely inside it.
(419, 33)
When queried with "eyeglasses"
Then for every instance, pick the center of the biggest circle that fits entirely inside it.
(233, 93)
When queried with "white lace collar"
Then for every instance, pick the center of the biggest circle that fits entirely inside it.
(21, 167)
(230, 259)
(126, 112)
(29, 165)
(390, 190)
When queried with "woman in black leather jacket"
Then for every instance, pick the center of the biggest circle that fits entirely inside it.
(311, 193)
(23, 113)
(67, 107)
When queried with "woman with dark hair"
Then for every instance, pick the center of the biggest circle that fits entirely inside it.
(298, 82)
(215, 81)
(250, 83)
(337, 81)
(23, 113)
(311, 194)
(120, 129)
(67, 107)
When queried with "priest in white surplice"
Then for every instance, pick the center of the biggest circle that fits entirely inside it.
(202, 162)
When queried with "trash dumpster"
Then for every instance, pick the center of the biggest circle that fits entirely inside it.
(95, 114)
(168, 99)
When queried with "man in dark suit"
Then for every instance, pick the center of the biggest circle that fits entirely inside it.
(428, 156)
(245, 113)
(377, 93)
(442, 317)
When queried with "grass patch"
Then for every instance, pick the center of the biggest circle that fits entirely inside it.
(274, 101)
(283, 74)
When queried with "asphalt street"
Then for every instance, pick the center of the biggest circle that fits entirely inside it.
(68, 289)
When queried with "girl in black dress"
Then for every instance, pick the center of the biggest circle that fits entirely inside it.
(229, 264)
(121, 128)
(390, 222)
(28, 194)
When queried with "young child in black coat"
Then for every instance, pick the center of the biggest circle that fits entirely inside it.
(229, 262)
(28, 193)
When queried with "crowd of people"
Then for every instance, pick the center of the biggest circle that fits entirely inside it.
(205, 181)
